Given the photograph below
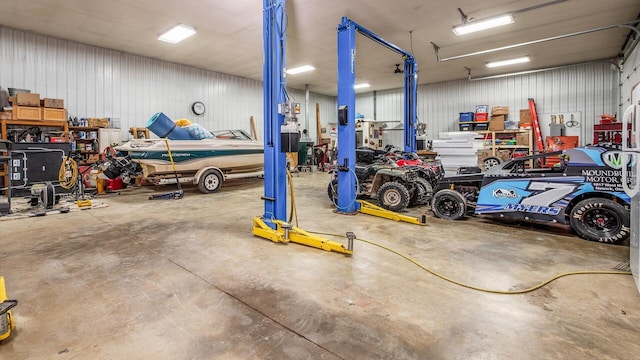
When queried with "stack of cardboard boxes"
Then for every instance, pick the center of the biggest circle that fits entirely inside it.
(29, 106)
(498, 118)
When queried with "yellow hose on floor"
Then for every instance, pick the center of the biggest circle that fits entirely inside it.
(472, 287)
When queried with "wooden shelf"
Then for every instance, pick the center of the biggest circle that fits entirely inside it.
(496, 133)
(84, 128)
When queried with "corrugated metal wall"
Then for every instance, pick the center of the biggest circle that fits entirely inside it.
(590, 89)
(630, 77)
(96, 82)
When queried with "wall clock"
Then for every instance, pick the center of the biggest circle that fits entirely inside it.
(198, 108)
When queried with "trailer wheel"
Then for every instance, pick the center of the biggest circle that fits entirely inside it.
(210, 181)
(393, 196)
(601, 220)
(491, 162)
(448, 204)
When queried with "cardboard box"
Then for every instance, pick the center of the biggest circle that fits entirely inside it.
(525, 116)
(52, 103)
(6, 115)
(54, 114)
(27, 112)
(98, 122)
(28, 99)
(12, 99)
(497, 122)
(500, 110)
(504, 155)
(522, 139)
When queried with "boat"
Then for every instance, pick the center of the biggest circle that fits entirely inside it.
(228, 154)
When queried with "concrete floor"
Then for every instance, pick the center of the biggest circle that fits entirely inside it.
(185, 279)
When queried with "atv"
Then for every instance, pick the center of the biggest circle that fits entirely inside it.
(583, 188)
(394, 187)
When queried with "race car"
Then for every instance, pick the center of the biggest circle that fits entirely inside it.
(581, 187)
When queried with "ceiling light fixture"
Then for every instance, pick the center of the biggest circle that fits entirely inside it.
(361, 86)
(177, 34)
(300, 69)
(519, 60)
(478, 25)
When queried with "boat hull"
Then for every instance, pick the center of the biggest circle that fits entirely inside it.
(232, 157)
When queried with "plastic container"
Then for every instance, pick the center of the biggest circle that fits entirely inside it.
(466, 116)
(482, 109)
(482, 116)
(482, 127)
(164, 127)
(466, 127)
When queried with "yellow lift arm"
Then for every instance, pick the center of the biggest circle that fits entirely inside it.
(288, 233)
(370, 209)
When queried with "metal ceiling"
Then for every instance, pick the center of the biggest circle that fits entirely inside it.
(229, 38)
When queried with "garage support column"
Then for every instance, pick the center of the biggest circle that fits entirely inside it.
(347, 129)
(274, 42)
(410, 103)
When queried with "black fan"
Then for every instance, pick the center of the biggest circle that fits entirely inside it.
(398, 70)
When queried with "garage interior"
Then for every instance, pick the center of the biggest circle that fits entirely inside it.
(182, 275)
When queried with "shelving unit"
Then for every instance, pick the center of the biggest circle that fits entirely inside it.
(495, 134)
(84, 137)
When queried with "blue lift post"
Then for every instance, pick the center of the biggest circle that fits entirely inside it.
(275, 172)
(272, 225)
(346, 107)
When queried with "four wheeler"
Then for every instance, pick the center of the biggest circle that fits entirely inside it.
(429, 172)
(395, 188)
(583, 189)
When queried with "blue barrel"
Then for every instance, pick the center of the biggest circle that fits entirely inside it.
(164, 127)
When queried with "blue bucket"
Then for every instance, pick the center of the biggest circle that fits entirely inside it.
(164, 127)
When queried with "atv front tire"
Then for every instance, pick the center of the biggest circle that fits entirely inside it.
(422, 192)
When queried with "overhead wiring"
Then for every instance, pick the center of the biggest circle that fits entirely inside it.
(477, 288)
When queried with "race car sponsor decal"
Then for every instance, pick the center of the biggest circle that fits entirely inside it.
(547, 210)
(613, 159)
(504, 193)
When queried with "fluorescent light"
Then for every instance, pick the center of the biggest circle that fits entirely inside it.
(479, 25)
(361, 86)
(300, 69)
(519, 60)
(177, 34)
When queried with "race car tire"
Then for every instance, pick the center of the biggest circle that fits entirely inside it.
(393, 196)
(602, 220)
(448, 204)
